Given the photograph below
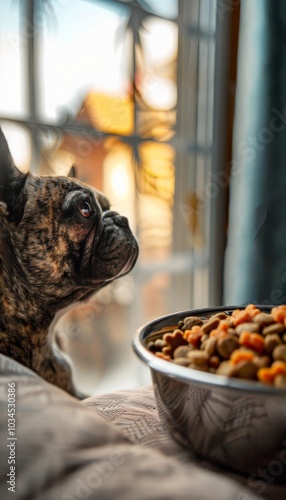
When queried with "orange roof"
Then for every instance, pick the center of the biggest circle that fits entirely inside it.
(107, 113)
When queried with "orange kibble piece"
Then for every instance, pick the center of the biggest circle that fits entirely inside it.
(241, 355)
(268, 374)
(223, 325)
(253, 341)
(218, 334)
(214, 333)
(241, 317)
(279, 313)
(194, 336)
(278, 368)
(194, 329)
(235, 312)
(252, 310)
(246, 315)
(163, 356)
(265, 375)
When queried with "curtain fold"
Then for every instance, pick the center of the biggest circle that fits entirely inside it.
(255, 259)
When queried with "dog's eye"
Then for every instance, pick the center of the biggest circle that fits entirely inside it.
(85, 208)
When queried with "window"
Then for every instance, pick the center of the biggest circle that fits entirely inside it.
(128, 92)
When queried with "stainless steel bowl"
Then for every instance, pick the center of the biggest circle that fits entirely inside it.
(235, 423)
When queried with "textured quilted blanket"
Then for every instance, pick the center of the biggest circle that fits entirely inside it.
(105, 447)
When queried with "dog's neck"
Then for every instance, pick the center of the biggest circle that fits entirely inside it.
(23, 326)
(25, 332)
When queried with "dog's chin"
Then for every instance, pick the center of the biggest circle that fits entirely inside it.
(128, 266)
(103, 272)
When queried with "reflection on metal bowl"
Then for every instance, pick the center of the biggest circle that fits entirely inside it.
(236, 423)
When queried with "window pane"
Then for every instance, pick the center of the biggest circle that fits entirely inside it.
(157, 70)
(166, 8)
(19, 140)
(13, 47)
(83, 49)
(156, 181)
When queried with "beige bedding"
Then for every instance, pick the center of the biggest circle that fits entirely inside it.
(105, 447)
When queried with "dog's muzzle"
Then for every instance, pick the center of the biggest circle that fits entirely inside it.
(115, 249)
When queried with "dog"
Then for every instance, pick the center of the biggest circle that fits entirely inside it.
(60, 243)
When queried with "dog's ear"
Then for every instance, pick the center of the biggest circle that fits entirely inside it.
(103, 201)
(12, 181)
(72, 173)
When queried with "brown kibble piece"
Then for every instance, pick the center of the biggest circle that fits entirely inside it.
(262, 361)
(160, 343)
(263, 319)
(173, 340)
(246, 370)
(198, 357)
(191, 321)
(182, 361)
(167, 350)
(247, 327)
(280, 381)
(156, 346)
(279, 352)
(204, 337)
(210, 324)
(158, 335)
(227, 369)
(214, 361)
(226, 346)
(275, 328)
(220, 315)
(202, 367)
(151, 346)
(182, 351)
(210, 346)
(271, 341)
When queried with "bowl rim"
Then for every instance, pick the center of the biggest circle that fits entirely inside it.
(189, 375)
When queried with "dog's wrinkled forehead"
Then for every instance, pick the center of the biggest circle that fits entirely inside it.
(62, 195)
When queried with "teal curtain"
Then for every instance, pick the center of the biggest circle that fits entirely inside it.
(255, 260)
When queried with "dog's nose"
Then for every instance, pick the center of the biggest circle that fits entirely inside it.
(119, 220)
(122, 221)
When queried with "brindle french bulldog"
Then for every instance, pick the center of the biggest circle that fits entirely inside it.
(59, 243)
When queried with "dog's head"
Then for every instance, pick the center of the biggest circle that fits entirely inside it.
(59, 239)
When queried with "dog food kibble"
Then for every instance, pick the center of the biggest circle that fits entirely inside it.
(247, 344)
